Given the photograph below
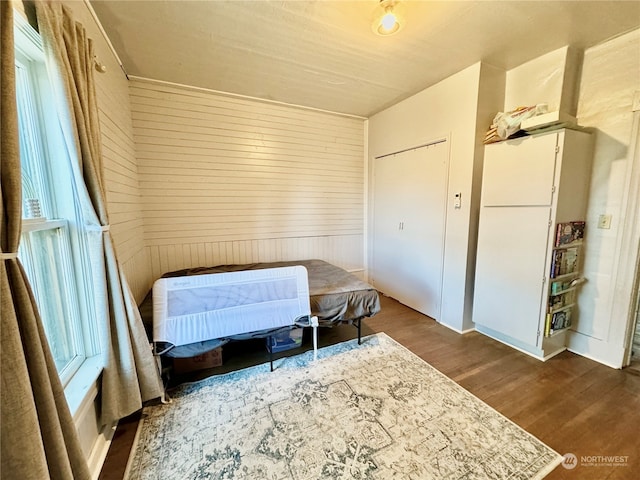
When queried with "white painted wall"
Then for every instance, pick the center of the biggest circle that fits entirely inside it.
(447, 109)
(611, 74)
(226, 179)
(121, 178)
(551, 79)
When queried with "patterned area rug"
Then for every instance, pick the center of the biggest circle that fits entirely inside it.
(370, 411)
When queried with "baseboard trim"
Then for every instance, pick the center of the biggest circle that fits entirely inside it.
(100, 450)
(601, 361)
(510, 342)
(457, 330)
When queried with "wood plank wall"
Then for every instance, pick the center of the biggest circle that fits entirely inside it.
(234, 180)
(121, 177)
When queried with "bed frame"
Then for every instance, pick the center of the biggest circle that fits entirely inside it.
(195, 309)
(334, 296)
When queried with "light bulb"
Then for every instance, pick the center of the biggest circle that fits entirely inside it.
(388, 22)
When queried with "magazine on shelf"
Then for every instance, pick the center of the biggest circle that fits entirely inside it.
(570, 261)
(569, 232)
(564, 261)
(557, 321)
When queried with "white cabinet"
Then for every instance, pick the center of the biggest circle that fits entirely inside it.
(529, 185)
(408, 226)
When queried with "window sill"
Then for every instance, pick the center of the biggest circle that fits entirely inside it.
(82, 383)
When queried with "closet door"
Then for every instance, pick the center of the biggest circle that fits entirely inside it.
(408, 231)
(389, 180)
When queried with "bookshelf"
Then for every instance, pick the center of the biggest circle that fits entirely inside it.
(565, 277)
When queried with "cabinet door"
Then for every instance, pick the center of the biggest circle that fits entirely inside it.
(510, 267)
(408, 232)
(520, 172)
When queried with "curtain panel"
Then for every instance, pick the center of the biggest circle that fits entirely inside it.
(130, 374)
(38, 436)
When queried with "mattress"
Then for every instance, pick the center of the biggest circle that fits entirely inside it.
(335, 295)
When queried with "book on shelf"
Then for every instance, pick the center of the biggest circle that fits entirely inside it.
(564, 261)
(561, 300)
(559, 286)
(569, 232)
(556, 261)
(557, 321)
(570, 261)
(556, 301)
(561, 319)
(547, 325)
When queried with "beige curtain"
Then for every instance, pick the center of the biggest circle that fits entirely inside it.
(39, 439)
(130, 375)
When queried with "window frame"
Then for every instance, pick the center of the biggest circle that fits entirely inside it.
(62, 197)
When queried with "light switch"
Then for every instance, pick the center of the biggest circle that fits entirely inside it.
(457, 200)
(604, 221)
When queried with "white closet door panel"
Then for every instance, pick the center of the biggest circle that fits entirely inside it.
(519, 173)
(409, 216)
(423, 229)
(389, 183)
(512, 246)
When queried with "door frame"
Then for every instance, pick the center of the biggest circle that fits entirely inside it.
(627, 273)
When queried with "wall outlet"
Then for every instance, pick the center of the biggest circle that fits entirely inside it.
(604, 221)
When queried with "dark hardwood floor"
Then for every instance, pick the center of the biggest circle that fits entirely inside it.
(571, 403)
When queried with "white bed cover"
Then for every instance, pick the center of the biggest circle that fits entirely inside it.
(196, 308)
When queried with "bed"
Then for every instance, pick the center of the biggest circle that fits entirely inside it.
(335, 296)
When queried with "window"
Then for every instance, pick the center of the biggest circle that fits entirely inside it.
(53, 245)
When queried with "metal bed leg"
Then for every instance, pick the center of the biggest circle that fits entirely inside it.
(271, 351)
(314, 324)
(360, 331)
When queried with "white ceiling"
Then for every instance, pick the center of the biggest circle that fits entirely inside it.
(323, 54)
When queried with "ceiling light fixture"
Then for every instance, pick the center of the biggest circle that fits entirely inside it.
(386, 20)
